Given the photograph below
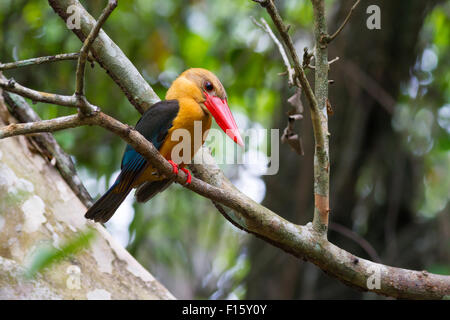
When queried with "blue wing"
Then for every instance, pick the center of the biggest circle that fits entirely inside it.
(154, 126)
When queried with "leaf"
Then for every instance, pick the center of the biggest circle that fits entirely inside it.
(47, 255)
(294, 141)
(289, 136)
(295, 117)
(329, 108)
(296, 101)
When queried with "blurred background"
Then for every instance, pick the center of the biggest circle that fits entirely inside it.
(390, 144)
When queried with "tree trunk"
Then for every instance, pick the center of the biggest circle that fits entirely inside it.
(367, 77)
(36, 208)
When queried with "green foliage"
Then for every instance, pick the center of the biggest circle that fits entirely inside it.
(47, 255)
(440, 269)
(420, 114)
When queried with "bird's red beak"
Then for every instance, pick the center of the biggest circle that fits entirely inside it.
(222, 113)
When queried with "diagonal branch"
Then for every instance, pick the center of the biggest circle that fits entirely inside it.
(317, 102)
(301, 241)
(266, 28)
(328, 39)
(299, 72)
(79, 91)
(110, 57)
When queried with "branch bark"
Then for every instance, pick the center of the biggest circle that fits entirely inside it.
(302, 241)
(81, 66)
(266, 28)
(12, 86)
(40, 60)
(321, 156)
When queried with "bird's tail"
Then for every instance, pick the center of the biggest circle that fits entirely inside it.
(103, 209)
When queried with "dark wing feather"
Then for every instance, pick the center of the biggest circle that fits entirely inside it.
(154, 126)
(148, 190)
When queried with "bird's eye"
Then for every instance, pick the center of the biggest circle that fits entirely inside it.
(208, 86)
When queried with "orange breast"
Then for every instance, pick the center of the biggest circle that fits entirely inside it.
(190, 124)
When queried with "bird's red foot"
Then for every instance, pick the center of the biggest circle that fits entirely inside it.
(189, 176)
(174, 166)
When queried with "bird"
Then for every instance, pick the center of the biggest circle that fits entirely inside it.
(195, 95)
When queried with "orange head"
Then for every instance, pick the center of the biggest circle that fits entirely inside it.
(207, 90)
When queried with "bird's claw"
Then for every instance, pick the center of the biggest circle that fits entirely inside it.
(174, 167)
(188, 174)
(175, 171)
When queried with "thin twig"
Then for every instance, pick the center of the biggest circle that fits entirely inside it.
(333, 60)
(48, 145)
(299, 72)
(307, 57)
(79, 91)
(52, 125)
(312, 67)
(328, 39)
(363, 243)
(131, 136)
(12, 86)
(283, 30)
(266, 28)
(263, 3)
(40, 60)
(114, 61)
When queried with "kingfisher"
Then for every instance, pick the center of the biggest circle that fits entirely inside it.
(196, 95)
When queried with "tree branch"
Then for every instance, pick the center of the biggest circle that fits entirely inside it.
(317, 103)
(321, 156)
(110, 57)
(266, 28)
(40, 60)
(301, 241)
(47, 144)
(375, 90)
(37, 96)
(52, 125)
(100, 271)
(81, 66)
(328, 39)
(299, 72)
